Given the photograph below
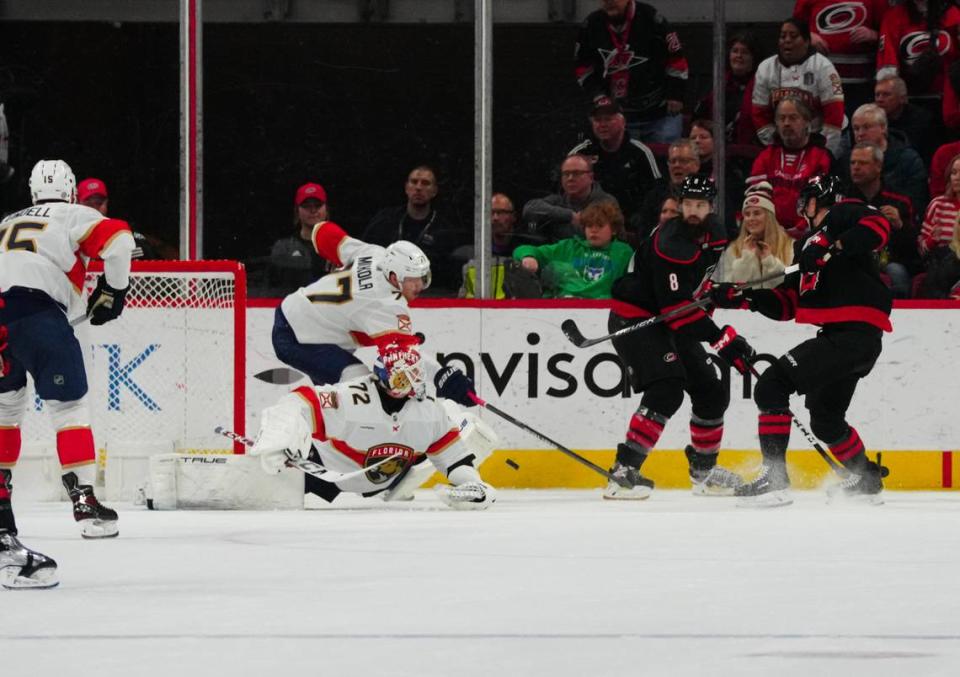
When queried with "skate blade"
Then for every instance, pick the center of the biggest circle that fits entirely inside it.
(700, 490)
(859, 499)
(628, 495)
(42, 579)
(99, 529)
(771, 499)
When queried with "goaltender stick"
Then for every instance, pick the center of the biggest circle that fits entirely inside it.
(360, 422)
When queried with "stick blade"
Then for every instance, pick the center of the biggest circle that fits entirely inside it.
(572, 332)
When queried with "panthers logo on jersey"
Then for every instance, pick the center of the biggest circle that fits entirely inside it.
(403, 456)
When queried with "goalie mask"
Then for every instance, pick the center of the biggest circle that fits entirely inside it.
(52, 180)
(400, 372)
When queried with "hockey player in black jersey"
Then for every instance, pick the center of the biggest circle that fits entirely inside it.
(839, 289)
(665, 360)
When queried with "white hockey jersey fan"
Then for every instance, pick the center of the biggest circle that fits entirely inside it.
(351, 430)
(350, 308)
(49, 245)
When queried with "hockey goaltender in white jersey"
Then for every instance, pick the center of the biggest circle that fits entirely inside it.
(358, 423)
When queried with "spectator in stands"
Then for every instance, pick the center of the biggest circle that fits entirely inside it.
(907, 50)
(939, 167)
(941, 217)
(943, 271)
(582, 267)
(846, 33)
(914, 122)
(629, 51)
(802, 73)
(92, 192)
(624, 167)
(294, 262)
(557, 217)
(795, 156)
(419, 221)
(503, 218)
(683, 160)
(899, 260)
(669, 209)
(903, 170)
(743, 57)
(762, 247)
(737, 171)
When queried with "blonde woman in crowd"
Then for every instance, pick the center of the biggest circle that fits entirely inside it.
(940, 221)
(762, 247)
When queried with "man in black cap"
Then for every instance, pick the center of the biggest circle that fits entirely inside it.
(622, 166)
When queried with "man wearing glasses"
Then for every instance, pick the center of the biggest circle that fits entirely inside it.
(557, 216)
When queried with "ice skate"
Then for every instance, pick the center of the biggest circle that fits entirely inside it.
(864, 487)
(768, 490)
(22, 568)
(640, 487)
(95, 520)
(716, 482)
(712, 481)
(468, 496)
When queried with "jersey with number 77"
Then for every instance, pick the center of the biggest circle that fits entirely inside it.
(352, 307)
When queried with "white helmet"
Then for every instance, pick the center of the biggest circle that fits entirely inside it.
(406, 259)
(52, 180)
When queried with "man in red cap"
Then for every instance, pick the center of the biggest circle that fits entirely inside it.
(92, 192)
(293, 261)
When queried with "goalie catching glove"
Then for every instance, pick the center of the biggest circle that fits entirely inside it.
(284, 433)
(105, 302)
(453, 384)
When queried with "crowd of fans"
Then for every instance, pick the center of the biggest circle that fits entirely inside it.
(865, 91)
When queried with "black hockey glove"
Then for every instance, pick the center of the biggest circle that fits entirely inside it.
(454, 385)
(105, 302)
(729, 295)
(816, 251)
(734, 349)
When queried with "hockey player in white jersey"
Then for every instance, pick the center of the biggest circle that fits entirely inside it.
(318, 327)
(357, 423)
(44, 252)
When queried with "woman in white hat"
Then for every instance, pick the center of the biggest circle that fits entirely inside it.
(763, 247)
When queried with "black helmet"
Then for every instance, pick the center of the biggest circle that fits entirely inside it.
(824, 187)
(698, 187)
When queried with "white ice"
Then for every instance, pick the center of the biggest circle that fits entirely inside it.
(545, 583)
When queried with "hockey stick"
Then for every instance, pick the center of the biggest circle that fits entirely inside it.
(622, 481)
(576, 337)
(306, 466)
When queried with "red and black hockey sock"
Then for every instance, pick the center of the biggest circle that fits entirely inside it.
(774, 430)
(646, 426)
(849, 450)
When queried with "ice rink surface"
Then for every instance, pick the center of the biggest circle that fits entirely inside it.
(544, 583)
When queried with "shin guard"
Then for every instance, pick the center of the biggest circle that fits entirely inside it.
(10, 443)
(75, 447)
(774, 430)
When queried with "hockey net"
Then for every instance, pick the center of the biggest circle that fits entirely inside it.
(171, 368)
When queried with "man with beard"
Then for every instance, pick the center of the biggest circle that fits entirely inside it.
(795, 156)
(665, 360)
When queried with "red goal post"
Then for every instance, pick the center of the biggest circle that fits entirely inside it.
(172, 367)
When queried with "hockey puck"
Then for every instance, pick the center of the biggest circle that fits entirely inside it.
(513, 464)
